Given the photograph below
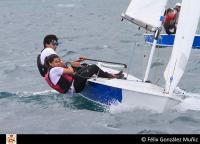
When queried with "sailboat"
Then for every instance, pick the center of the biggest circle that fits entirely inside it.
(166, 40)
(139, 92)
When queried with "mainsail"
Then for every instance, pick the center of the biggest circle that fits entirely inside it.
(186, 29)
(149, 15)
(146, 13)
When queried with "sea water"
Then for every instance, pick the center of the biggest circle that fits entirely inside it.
(91, 28)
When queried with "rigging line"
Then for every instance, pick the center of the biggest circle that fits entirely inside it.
(145, 58)
(130, 60)
(116, 63)
(158, 60)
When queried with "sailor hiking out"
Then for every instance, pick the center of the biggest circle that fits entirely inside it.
(51, 43)
(63, 78)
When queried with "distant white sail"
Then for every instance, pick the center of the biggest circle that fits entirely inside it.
(186, 29)
(146, 13)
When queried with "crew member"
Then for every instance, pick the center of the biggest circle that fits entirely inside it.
(50, 43)
(64, 79)
(170, 21)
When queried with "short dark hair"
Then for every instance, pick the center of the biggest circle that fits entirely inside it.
(169, 10)
(49, 38)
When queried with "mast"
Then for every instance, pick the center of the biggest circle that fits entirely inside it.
(156, 35)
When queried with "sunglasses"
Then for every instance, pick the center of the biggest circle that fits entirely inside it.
(55, 43)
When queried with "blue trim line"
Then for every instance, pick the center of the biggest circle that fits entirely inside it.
(168, 40)
(102, 93)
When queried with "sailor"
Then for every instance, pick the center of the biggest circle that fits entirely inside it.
(63, 78)
(50, 43)
(170, 21)
(177, 10)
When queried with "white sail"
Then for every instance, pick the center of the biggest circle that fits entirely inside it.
(146, 13)
(186, 29)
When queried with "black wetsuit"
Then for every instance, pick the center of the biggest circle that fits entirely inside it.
(86, 72)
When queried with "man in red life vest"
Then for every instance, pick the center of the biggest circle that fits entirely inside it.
(65, 79)
(170, 21)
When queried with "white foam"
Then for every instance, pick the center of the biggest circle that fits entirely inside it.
(66, 5)
(45, 92)
(181, 92)
(120, 108)
(191, 101)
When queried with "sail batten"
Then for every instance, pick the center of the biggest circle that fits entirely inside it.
(139, 23)
(146, 13)
(186, 30)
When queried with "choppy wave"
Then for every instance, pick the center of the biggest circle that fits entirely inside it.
(66, 5)
(48, 98)
(151, 132)
(92, 29)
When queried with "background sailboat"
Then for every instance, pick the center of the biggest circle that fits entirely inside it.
(166, 40)
(139, 93)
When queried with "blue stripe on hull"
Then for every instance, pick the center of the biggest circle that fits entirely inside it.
(102, 93)
(168, 40)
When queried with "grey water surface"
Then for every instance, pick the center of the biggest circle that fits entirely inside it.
(91, 28)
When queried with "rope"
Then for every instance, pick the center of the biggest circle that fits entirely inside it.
(130, 60)
(158, 59)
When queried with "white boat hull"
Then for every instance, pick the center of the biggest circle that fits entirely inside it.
(130, 91)
(149, 101)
